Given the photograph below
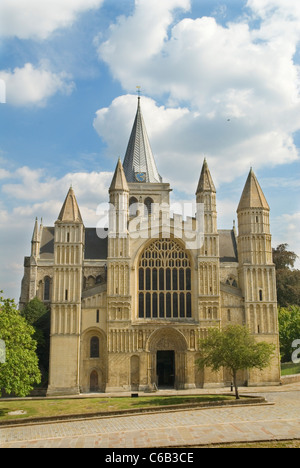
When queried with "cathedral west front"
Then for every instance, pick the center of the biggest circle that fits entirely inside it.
(129, 303)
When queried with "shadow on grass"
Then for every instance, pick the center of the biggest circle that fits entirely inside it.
(3, 412)
(166, 401)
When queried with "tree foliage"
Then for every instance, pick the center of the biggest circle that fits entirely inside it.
(289, 330)
(37, 315)
(235, 349)
(20, 371)
(287, 278)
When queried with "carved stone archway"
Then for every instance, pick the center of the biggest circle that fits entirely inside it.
(167, 339)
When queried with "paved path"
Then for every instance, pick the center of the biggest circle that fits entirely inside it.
(256, 423)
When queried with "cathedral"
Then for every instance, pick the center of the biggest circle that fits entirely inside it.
(130, 302)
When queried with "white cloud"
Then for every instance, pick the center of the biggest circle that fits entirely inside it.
(29, 86)
(286, 229)
(119, 117)
(235, 89)
(30, 193)
(39, 18)
(181, 138)
(33, 185)
(4, 174)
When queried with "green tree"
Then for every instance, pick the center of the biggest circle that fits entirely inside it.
(289, 330)
(20, 371)
(38, 315)
(34, 310)
(234, 348)
(287, 278)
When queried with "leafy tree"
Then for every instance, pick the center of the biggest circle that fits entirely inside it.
(38, 315)
(20, 371)
(289, 330)
(235, 349)
(287, 278)
(34, 310)
(283, 258)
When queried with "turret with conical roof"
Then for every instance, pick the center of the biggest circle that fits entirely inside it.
(254, 239)
(35, 241)
(119, 206)
(206, 194)
(70, 212)
(256, 269)
(69, 241)
(119, 182)
(253, 196)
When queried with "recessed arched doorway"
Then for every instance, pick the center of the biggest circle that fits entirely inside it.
(165, 369)
(167, 353)
(94, 381)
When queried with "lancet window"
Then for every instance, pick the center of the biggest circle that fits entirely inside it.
(165, 282)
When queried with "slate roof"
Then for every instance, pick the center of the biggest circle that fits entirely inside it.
(139, 157)
(96, 248)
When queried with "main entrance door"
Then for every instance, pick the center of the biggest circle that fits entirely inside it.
(165, 367)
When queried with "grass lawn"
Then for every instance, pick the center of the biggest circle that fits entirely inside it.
(289, 368)
(57, 407)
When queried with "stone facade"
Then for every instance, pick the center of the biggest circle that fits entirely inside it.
(128, 305)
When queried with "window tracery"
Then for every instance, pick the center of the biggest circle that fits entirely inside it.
(164, 282)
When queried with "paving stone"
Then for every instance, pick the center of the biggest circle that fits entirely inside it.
(205, 426)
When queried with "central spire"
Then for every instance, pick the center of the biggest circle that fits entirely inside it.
(139, 164)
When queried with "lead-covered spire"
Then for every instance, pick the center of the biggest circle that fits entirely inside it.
(139, 164)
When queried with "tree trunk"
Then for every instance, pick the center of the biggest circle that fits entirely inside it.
(237, 396)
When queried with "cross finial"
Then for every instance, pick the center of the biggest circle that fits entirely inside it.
(138, 88)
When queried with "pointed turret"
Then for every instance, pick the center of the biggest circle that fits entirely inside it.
(252, 196)
(139, 164)
(35, 235)
(205, 182)
(35, 241)
(70, 212)
(206, 194)
(119, 181)
(254, 240)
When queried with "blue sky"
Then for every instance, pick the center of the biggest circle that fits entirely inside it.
(220, 79)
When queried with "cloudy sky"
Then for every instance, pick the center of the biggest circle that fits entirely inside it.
(220, 79)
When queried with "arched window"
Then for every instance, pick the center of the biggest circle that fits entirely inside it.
(94, 347)
(47, 283)
(148, 206)
(133, 206)
(164, 282)
(99, 279)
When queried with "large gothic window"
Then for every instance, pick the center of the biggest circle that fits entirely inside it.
(165, 282)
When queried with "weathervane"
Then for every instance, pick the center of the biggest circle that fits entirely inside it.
(138, 88)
